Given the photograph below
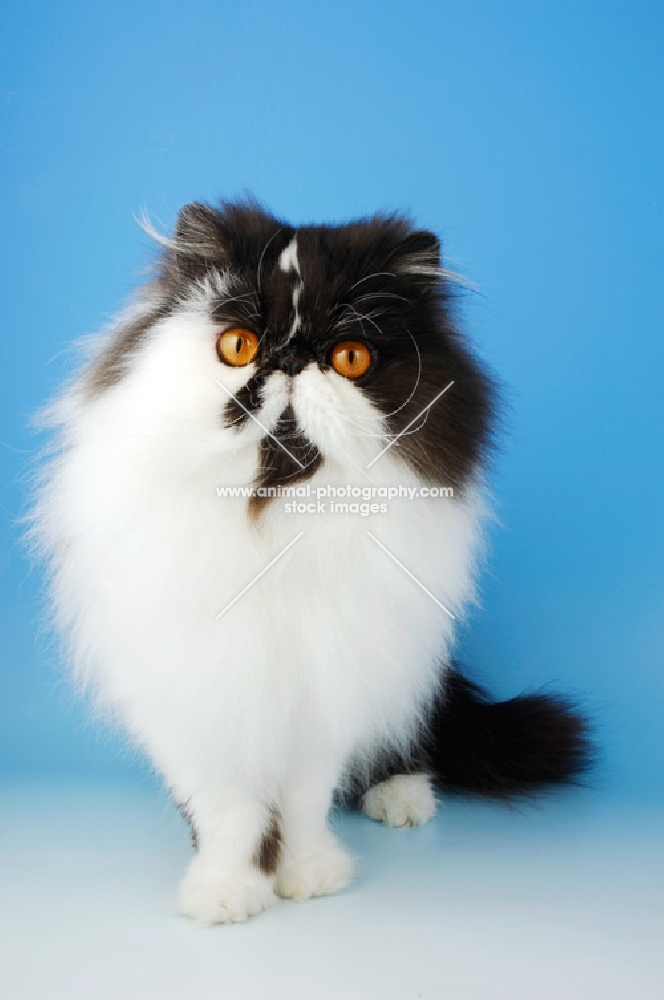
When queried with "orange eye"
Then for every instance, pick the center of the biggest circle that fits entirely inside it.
(351, 358)
(237, 347)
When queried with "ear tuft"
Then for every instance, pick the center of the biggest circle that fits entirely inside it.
(418, 255)
(199, 239)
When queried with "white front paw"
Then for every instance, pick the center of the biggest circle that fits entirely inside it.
(317, 873)
(213, 895)
(403, 800)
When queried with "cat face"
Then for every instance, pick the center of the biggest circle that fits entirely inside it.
(327, 341)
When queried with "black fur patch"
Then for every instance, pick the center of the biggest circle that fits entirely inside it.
(504, 749)
(114, 363)
(266, 856)
(501, 750)
(277, 466)
(376, 280)
(248, 397)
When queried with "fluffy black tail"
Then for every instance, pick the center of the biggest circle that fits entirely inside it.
(504, 749)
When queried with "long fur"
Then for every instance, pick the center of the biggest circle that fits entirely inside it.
(504, 749)
(256, 708)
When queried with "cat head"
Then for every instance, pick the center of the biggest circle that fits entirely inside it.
(312, 344)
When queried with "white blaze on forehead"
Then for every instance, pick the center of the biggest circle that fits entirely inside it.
(288, 258)
(288, 261)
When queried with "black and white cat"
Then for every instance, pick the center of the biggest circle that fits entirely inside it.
(269, 651)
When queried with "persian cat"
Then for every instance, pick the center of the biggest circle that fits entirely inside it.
(262, 519)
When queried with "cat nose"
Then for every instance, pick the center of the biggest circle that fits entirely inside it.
(291, 364)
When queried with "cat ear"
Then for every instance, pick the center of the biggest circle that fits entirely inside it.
(418, 256)
(200, 240)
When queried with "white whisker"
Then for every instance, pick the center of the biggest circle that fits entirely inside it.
(376, 274)
(260, 259)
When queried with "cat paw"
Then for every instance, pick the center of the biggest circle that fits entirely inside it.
(403, 800)
(212, 896)
(318, 874)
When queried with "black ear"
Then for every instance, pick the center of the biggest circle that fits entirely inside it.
(200, 240)
(418, 256)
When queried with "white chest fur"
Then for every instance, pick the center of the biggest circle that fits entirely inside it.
(250, 706)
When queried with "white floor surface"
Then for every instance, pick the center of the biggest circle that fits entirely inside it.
(563, 900)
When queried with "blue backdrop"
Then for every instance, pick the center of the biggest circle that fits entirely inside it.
(528, 135)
